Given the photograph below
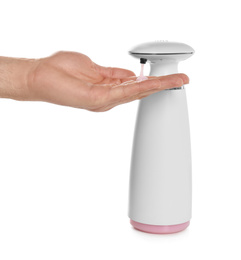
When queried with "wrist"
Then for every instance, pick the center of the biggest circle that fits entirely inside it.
(14, 77)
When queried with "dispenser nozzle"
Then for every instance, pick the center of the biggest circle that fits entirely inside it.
(143, 60)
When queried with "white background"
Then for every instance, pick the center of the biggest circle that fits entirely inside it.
(64, 172)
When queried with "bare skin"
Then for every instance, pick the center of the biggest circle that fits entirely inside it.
(73, 79)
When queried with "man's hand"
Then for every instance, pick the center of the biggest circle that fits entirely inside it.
(73, 79)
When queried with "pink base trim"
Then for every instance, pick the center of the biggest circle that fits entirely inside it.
(154, 229)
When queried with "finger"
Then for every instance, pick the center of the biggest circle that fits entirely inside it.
(126, 90)
(183, 76)
(110, 72)
(140, 95)
(152, 91)
(129, 79)
(115, 81)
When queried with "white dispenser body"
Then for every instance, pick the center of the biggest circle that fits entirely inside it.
(160, 181)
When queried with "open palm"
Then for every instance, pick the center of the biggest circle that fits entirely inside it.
(73, 79)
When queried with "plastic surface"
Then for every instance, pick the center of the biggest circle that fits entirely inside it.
(159, 229)
(160, 180)
(166, 51)
(162, 47)
(143, 61)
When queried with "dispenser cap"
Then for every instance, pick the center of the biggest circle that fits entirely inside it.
(162, 48)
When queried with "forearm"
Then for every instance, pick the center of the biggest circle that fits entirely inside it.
(14, 77)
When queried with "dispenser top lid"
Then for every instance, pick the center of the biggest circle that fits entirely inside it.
(162, 48)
